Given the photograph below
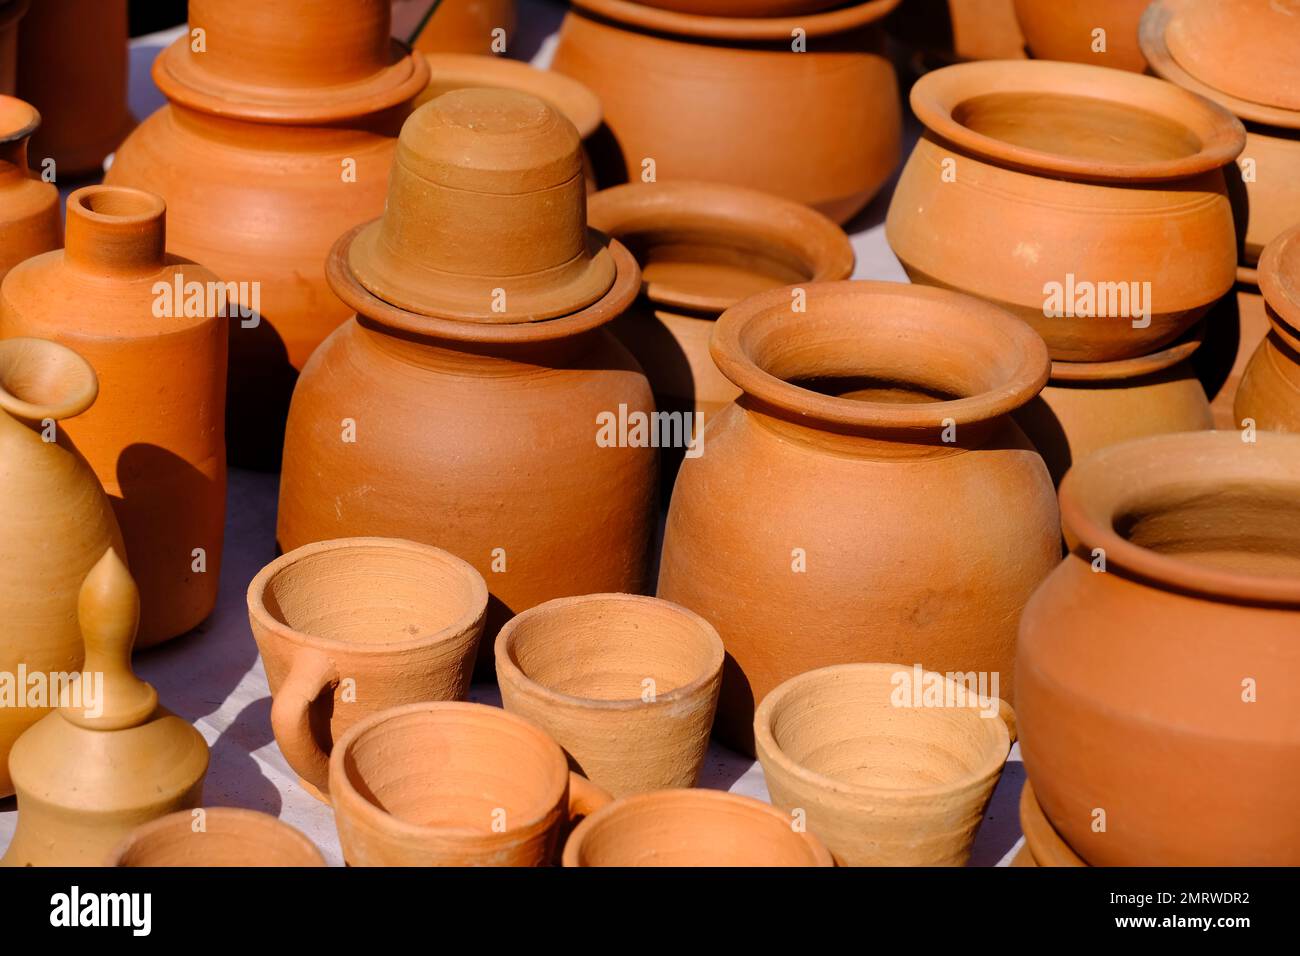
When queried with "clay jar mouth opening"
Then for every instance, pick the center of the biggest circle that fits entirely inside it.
(598, 651)
(373, 595)
(1203, 513)
(458, 71)
(116, 204)
(40, 380)
(231, 837)
(18, 119)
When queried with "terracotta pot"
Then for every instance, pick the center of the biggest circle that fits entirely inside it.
(843, 551)
(1065, 30)
(465, 26)
(216, 836)
(1170, 651)
(72, 66)
(55, 523)
(453, 784)
(29, 207)
(277, 138)
(11, 11)
(1270, 389)
(883, 775)
(692, 828)
(110, 757)
(1235, 328)
(627, 685)
(155, 438)
(712, 98)
(1121, 192)
(744, 8)
(352, 627)
(529, 496)
(949, 30)
(1043, 844)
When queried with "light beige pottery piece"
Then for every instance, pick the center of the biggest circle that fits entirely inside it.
(216, 836)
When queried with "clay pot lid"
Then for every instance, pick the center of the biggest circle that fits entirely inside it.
(733, 219)
(1196, 136)
(41, 379)
(1134, 367)
(18, 119)
(1279, 280)
(675, 22)
(1046, 846)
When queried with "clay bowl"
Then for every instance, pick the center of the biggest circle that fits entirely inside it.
(1043, 844)
(1043, 181)
(1063, 30)
(627, 685)
(884, 780)
(692, 828)
(1269, 394)
(229, 837)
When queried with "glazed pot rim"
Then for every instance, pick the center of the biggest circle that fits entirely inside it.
(16, 134)
(823, 248)
(283, 833)
(472, 616)
(1279, 281)
(937, 95)
(79, 398)
(1051, 849)
(1169, 356)
(535, 689)
(768, 747)
(575, 100)
(659, 20)
(1101, 488)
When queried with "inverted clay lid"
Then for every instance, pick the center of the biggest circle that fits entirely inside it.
(1245, 48)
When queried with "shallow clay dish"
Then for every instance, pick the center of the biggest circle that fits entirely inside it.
(216, 836)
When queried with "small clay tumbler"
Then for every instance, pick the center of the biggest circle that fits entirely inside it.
(220, 836)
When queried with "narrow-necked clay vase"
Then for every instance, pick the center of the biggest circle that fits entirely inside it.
(352, 627)
(627, 685)
(945, 31)
(1270, 389)
(692, 828)
(156, 436)
(1043, 844)
(713, 98)
(890, 765)
(29, 207)
(55, 523)
(278, 137)
(110, 757)
(11, 11)
(1090, 202)
(466, 26)
(216, 836)
(1069, 30)
(467, 404)
(893, 509)
(454, 784)
(1156, 665)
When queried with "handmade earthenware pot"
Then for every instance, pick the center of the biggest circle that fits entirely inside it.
(29, 207)
(1175, 611)
(466, 26)
(1089, 202)
(1270, 389)
(1068, 30)
(110, 757)
(11, 11)
(470, 403)
(1043, 845)
(454, 784)
(891, 765)
(627, 685)
(886, 485)
(156, 436)
(945, 31)
(720, 98)
(216, 836)
(692, 828)
(352, 627)
(278, 137)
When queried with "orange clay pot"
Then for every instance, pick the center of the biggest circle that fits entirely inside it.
(714, 98)
(11, 11)
(465, 26)
(278, 137)
(1270, 389)
(950, 30)
(1041, 177)
(885, 485)
(1063, 30)
(29, 208)
(216, 836)
(1043, 845)
(55, 523)
(155, 437)
(1170, 650)
(1235, 328)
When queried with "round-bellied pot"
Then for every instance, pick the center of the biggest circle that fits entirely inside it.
(216, 836)
(714, 98)
(29, 207)
(1043, 844)
(692, 828)
(945, 31)
(466, 26)
(1089, 202)
(11, 11)
(627, 685)
(1067, 30)
(1270, 388)
(892, 765)
(885, 489)
(1175, 611)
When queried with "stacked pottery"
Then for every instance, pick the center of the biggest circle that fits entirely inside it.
(1242, 55)
(217, 836)
(279, 136)
(155, 438)
(1269, 395)
(29, 207)
(1091, 203)
(804, 106)
(1100, 32)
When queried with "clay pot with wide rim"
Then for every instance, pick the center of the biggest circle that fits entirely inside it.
(466, 26)
(1043, 844)
(454, 784)
(11, 11)
(156, 437)
(1168, 645)
(1270, 388)
(217, 837)
(727, 99)
(885, 488)
(1052, 188)
(29, 207)
(945, 31)
(278, 137)
(1065, 30)
(627, 685)
(352, 627)
(55, 523)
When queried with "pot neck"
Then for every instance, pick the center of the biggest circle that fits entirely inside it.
(115, 230)
(446, 355)
(13, 160)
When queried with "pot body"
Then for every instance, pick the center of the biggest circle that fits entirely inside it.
(465, 26)
(1271, 182)
(29, 223)
(1063, 30)
(1270, 389)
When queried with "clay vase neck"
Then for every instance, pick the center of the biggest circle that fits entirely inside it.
(114, 231)
(18, 121)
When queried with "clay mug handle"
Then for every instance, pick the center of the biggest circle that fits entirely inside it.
(585, 798)
(310, 674)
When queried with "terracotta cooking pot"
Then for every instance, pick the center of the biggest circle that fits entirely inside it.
(29, 207)
(1043, 844)
(1067, 30)
(1270, 389)
(465, 26)
(216, 836)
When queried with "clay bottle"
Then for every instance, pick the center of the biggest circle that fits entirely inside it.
(29, 208)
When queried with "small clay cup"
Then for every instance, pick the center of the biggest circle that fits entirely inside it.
(884, 778)
(351, 627)
(627, 685)
(222, 836)
(454, 784)
(692, 828)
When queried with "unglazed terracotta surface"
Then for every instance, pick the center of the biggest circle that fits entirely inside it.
(1235, 327)
(29, 207)
(1065, 30)
(1043, 845)
(466, 26)
(215, 836)
(1270, 388)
